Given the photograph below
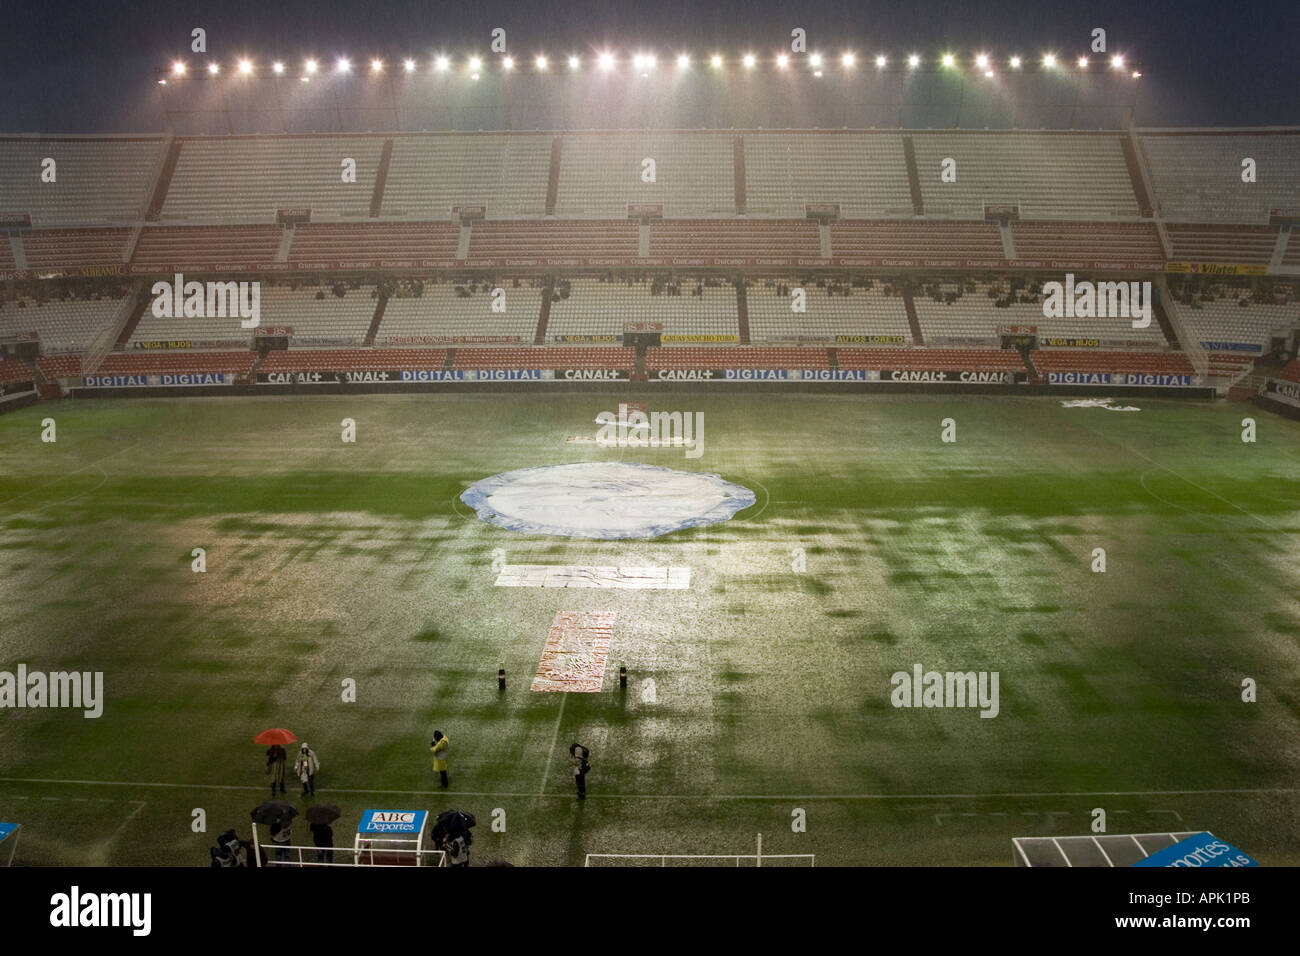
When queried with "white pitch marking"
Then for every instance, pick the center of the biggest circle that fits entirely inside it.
(592, 576)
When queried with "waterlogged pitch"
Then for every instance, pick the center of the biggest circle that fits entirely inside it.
(1161, 690)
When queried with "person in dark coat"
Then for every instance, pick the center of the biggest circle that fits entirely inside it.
(578, 755)
(323, 836)
(275, 761)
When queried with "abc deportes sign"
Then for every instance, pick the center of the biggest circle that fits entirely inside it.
(392, 821)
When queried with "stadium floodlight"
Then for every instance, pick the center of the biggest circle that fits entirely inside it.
(311, 66)
(245, 67)
(913, 61)
(1049, 61)
(815, 59)
(475, 64)
(540, 63)
(442, 64)
(1136, 74)
(376, 66)
(782, 61)
(606, 61)
(277, 68)
(982, 61)
(408, 65)
(1083, 62)
(1015, 63)
(574, 63)
(214, 68)
(178, 68)
(683, 61)
(650, 61)
(749, 61)
(508, 63)
(715, 61)
(638, 61)
(848, 60)
(343, 65)
(1117, 61)
(948, 59)
(988, 73)
(881, 61)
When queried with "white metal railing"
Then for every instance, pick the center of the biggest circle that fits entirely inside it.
(277, 855)
(758, 857)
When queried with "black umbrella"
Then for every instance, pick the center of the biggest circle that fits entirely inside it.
(323, 813)
(452, 823)
(274, 811)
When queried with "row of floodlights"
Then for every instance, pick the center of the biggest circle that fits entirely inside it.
(645, 62)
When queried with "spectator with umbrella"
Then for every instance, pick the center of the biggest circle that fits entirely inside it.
(276, 757)
(320, 817)
(279, 816)
(451, 832)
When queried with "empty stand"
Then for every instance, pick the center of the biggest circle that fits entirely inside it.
(601, 173)
(545, 357)
(1118, 242)
(866, 173)
(506, 172)
(1083, 360)
(592, 307)
(1197, 176)
(73, 248)
(206, 248)
(551, 239)
(246, 179)
(449, 313)
(916, 240)
(103, 180)
(941, 360)
(163, 362)
(357, 360)
(720, 356)
(1048, 175)
(734, 238)
(373, 242)
(849, 314)
(64, 325)
(1201, 243)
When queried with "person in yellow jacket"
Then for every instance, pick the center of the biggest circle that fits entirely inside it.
(440, 745)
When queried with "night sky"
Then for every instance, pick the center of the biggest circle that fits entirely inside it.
(89, 66)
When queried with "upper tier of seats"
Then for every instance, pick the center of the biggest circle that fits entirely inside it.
(601, 173)
(96, 181)
(505, 172)
(1197, 176)
(866, 173)
(1048, 175)
(246, 179)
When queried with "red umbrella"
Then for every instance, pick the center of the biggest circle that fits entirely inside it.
(276, 735)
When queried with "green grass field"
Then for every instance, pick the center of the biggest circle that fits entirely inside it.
(326, 561)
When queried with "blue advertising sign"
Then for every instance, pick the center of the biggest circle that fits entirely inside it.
(1204, 849)
(374, 822)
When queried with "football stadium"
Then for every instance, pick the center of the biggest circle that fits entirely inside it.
(724, 494)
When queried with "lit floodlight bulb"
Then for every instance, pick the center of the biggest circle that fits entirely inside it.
(881, 61)
(606, 61)
(1049, 61)
(913, 61)
(408, 65)
(749, 60)
(508, 63)
(277, 68)
(178, 68)
(1136, 74)
(982, 61)
(782, 61)
(311, 66)
(1015, 63)
(1117, 61)
(475, 64)
(245, 67)
(343, 65)
(948, 59)
(815, 59)
(574, 63)
(1083, 62)
(715, 61)
(540, 63)
(988, 73)
(442, 64)
(848, 59)
(638, 61)
(683, 61)
(214, 68)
